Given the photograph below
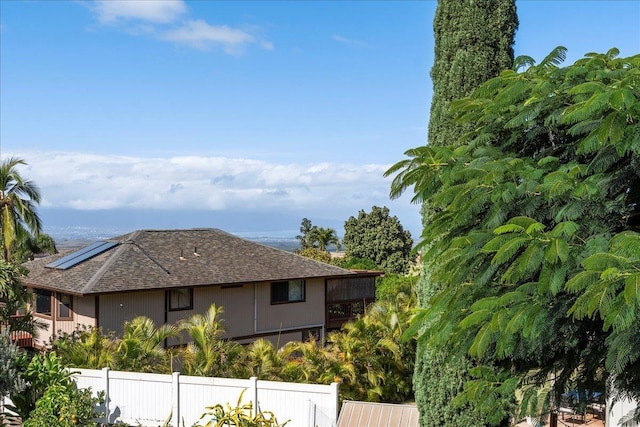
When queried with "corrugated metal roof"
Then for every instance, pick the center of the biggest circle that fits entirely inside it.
(367, 414)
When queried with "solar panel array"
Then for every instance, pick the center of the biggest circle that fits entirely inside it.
(81, 255)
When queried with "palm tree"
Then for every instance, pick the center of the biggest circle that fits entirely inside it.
(18, 198)
(86, 347)
(323, 237)
(28, 246)
(141, 348)
(208, 353)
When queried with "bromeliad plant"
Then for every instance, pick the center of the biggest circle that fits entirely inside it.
(240, 416)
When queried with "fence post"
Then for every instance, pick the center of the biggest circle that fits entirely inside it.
(253, 394)
(175, 397)
(335, 388)
(107, 399)
(311, 422)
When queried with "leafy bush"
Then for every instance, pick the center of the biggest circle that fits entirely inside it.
(64, 406)
(11, 380)
(40, 372)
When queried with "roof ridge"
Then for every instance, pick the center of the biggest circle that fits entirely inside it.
(94, 279)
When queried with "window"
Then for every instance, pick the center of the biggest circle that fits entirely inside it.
(291, 291)
(180, 299)
(43, 302)
(65, 306)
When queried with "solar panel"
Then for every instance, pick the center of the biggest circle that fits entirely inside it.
(81, 255)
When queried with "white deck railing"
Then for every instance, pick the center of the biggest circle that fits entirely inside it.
(150, 399)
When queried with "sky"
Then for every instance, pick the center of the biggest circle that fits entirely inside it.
(247, 115)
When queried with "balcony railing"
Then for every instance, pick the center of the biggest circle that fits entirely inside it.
(20, 338)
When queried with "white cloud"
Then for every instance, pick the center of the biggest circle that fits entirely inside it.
(350, 42)
(156, 11)
(168, 20)
(91, 182)
(201, 35)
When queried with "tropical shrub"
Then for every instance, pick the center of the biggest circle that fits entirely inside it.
(64, 406)
(11, 381)
(39, 372)
(207, 352)
(240, 416)
(86, 347)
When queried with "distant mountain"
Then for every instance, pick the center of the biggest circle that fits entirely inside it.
(66, 237)
(71, 227)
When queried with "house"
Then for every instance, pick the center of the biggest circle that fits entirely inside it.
(168, 275)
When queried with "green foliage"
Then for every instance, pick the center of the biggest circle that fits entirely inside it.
(207, 353)
(14, 297)
(389, 286)
(86, 347)
(62, 406)
(372, 346)
(29, 245)
(11, 381)
(351, 263)
(314, 237)
(241, 416)
(39, 373)
(18, 200)
(473, 42)
(379, 237)
(141, 348)
(533, 237)
(316, 254)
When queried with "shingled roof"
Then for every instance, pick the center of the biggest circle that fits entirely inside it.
(164, 259)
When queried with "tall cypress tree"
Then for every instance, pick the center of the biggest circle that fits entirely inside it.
(473, 43)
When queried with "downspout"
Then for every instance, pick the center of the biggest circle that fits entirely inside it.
(255, 308)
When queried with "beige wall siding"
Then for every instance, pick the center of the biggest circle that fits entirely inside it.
(43, 335)
(247, 311)
(291, 315)
(237, 303)
(83, 313)
(114, 309)
(84, 309)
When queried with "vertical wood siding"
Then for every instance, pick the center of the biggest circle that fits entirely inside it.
(291, 315)
(116, 308)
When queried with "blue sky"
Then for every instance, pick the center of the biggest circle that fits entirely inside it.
(244, 115)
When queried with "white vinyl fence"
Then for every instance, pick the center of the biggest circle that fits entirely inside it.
(150, 399)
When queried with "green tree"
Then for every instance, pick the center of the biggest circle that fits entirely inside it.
(322, 237)
(381, 361)
(29, 245)
(18, 200)
(473, 43)
(314, 237)
(379, 237)
(13, 298)
(535, 224)
(142, 347)
(306, 227)
(207, 353)
(317, 254)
